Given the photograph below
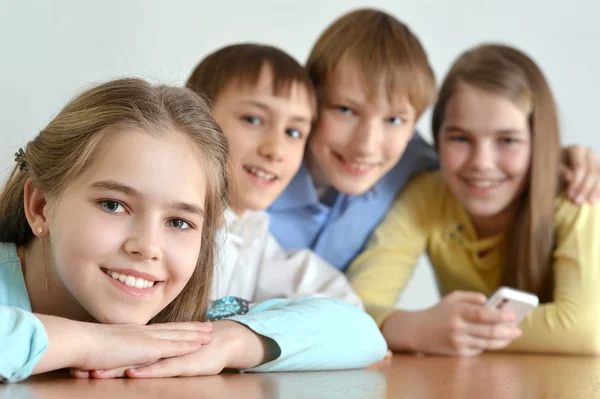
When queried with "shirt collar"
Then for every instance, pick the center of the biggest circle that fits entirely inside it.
(245, 228)
(299, 193)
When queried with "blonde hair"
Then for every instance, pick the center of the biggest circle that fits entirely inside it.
(511, 73)
(67, 146)
(383, 48)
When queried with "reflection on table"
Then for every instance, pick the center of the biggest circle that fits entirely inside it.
(410, 376)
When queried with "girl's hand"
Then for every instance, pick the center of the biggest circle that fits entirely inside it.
(459, 326)
(580, 170)
(91, 346)
(234, 346)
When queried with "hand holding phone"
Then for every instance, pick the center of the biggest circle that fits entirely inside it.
(518, 302)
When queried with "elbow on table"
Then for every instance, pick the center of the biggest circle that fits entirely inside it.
(589, 337)
(582, 338)
(366, 335)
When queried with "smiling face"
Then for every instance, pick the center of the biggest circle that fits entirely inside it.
(267, 135)
(485, 150)
(359, 137)
(125, 235)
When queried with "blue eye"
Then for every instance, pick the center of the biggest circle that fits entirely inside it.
(179, 224)
(253, 120)
(112, 206)
(395, 120)
(508, 140)
(344, 110)
(294, 133)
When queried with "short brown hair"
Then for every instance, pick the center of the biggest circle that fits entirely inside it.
(510, 73)
(67, 146)
(383, 47)
(242, 64)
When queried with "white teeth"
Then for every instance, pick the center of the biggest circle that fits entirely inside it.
(483, 183)
(358, 166)
(259, 173)
(131, 281)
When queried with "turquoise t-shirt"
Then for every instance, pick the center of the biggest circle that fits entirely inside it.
(312, 333)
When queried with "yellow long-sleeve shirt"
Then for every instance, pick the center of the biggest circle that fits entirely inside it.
(427, 217)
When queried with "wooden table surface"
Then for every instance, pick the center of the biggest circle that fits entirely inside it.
(403, 376)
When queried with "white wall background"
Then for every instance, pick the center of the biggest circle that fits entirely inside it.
(49, 50)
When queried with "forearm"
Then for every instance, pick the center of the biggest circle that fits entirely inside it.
(66, 344)
(553, 329)
(400, 330)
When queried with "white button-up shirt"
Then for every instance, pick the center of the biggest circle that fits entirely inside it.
(250, 264)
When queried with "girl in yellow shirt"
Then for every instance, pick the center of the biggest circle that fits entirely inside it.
(493, 215)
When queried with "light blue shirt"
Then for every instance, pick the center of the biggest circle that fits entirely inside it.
(338, 231)
(23, 338)
(312, 334)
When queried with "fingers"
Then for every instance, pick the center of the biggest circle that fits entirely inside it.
(472, 339)
(469, 352)
(168, 349)
(566, 173)
(105, 374)
(82, 374)
(583, 172)
(472, 346)
(191, 326)
(590, 183)
(165, 368)
(493, 331)
(182, 335)
(483, 315)
(85, 374)
(475, 298)
(466, 346)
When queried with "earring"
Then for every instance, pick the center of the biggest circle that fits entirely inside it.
(39, 230)
(44, 254)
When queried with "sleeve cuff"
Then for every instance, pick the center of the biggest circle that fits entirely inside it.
(23, 341)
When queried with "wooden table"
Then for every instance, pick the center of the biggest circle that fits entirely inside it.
(503, 376)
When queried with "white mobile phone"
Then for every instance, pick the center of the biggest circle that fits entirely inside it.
(518, 302)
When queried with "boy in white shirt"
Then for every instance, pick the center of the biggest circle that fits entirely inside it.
(265, 102)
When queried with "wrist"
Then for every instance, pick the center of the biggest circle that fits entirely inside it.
(242, 347)
(228, 340)
(68, 344)
(401, 331)
(86, 343)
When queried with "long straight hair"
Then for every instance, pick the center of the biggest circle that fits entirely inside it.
(67, 146)
(512, 74)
